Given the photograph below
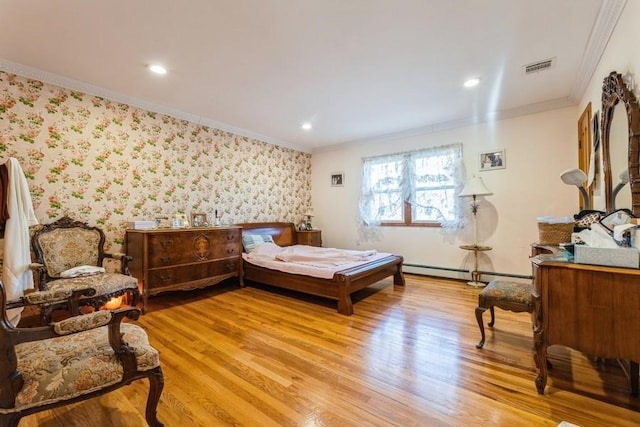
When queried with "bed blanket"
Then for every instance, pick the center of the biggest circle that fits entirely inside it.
(266, 254)
(322, 257)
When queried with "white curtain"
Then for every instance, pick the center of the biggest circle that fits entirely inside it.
(429, 179)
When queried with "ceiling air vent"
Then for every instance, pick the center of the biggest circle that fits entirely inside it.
(538, 66)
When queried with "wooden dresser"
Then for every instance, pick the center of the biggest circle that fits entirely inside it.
(592, 309)
(309, 237)
(183, 259)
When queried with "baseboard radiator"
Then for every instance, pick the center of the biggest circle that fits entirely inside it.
(464, 270)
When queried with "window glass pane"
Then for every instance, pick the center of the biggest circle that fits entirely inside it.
(434, 171)
(387, 206)
(386, 176)
(434, 205)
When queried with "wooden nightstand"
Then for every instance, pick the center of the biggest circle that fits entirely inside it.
(309, 237)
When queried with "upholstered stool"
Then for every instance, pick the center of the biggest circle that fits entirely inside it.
(510, 296)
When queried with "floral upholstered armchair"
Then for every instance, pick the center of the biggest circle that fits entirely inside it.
(69, 255)
(72, 360)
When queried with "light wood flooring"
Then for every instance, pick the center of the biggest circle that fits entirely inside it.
(259, 356)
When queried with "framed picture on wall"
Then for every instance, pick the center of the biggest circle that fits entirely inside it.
(337, 179)
(490, 160)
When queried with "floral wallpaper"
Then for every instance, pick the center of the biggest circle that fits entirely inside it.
(106, 163)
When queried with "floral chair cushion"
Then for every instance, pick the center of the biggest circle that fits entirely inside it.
(65, 248)
(104, 284)
(513, 292)
(64, 367)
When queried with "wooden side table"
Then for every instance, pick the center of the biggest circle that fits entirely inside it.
(475, 274)
(309, 237)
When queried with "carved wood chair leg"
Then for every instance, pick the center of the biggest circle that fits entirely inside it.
(479, 312)
(135, 297)
(634, 372)
(493, 317)
(156, 384)
(9, 420)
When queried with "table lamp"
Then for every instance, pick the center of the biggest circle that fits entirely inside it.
(475, 187)
(308, 214)
(577, 177)
(624, 180)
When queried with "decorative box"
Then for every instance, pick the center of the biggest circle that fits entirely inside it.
(612, 257)
(142, 225)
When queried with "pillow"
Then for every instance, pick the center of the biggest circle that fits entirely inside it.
(267, 250)
(82, 270)
(252, 241)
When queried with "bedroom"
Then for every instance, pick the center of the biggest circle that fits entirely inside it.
(101, 179)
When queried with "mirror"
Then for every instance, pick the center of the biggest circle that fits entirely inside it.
(618, 153)
(614, 149)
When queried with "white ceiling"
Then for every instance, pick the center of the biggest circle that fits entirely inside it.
(357, 69)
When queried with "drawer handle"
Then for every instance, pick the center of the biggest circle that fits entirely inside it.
(164, 243)
(231, 251)
(165, 279)
(231, 266)
(231, 236)
(166, 260)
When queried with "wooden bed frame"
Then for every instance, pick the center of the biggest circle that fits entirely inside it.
(339, 288)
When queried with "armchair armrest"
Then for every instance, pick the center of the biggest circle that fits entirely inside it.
(51, 297)
(81, 323)
(124, 261)
(95, 320)
(40, 271)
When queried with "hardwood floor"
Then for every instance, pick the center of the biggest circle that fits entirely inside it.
(407, 357)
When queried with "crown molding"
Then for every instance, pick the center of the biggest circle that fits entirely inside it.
(603, 28)
(58, 80)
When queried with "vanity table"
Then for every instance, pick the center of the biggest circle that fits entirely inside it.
(589, 308)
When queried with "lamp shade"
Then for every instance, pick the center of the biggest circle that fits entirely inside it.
(475, 187)
(573, 176)
(624, 176)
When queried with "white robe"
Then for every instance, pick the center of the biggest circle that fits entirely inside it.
(16, 275)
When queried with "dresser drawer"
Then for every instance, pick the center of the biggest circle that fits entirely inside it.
(183, 248)
(162, 277)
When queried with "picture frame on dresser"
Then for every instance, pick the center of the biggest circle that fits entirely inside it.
(199, 219)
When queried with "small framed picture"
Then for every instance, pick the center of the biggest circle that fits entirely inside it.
(490, 160)
(337, 179)
(199, 219)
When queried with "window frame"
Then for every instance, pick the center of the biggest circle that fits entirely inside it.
(408, 173)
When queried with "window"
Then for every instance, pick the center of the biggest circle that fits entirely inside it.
(413, 188)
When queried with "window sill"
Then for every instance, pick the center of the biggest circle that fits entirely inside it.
(413, 224)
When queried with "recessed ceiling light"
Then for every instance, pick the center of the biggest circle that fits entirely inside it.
(158, 69)
(306, 126)
(472, 82)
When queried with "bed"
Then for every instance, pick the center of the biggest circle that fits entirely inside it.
(339, 287)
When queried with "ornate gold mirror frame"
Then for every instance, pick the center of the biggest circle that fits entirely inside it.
(614, 90)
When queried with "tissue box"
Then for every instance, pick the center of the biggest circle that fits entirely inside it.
(612, 257)
(142, 225)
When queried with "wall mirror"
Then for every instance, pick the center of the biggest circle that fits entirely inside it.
(620, 144)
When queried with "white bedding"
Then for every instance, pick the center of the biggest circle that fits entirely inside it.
(309, 260)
